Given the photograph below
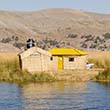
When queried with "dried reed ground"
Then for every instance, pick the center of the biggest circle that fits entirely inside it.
(10, 71)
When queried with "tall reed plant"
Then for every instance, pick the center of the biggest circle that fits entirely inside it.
(11, 72)
(100, 59)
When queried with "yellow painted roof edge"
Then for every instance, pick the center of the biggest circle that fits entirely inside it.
(54, 51)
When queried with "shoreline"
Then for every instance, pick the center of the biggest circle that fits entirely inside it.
(24, 77)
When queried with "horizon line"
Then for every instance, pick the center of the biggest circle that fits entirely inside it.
(33, 10)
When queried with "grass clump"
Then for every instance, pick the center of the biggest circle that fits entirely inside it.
(104, 75)
(100, 59)
(10, 72)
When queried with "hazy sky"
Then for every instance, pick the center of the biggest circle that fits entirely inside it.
(102, 6)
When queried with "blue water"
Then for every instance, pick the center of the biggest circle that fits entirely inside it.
(55, 96)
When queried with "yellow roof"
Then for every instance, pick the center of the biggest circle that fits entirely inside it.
(66, 51)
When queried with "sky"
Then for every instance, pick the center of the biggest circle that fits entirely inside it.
(99, 6)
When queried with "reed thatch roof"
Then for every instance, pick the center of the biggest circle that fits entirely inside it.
(33, 50)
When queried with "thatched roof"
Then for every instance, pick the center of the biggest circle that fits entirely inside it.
(33, 50)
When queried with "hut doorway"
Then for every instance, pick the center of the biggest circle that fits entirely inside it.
(60, 62)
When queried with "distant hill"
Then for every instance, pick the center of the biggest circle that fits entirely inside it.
(55, 24)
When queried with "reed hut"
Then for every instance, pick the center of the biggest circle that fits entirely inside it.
(35, 59)
(67, 59)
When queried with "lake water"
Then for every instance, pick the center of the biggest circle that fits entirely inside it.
(55, 96)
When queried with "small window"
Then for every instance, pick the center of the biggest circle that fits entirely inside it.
(71, 59)
(51, 58)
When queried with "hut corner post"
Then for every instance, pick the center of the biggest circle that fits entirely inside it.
(20, 62)
(42, 62)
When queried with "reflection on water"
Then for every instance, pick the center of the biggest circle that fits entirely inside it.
(55, 96)
(51, 96)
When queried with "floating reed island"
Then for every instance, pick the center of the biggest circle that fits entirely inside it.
(10, 70)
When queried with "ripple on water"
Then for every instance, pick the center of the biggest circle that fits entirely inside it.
(55, 96)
